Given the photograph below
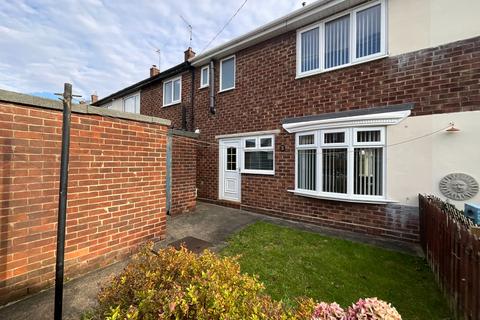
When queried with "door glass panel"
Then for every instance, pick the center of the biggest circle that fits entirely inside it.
(231, 158)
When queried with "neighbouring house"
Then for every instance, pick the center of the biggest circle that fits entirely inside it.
(336, 114)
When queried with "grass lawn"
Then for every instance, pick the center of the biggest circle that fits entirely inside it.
(293, 263)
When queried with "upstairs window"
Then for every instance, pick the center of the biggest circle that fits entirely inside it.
(172, 91)
(204, 77)
(258, 155)
(227, 73)
(347, 38)
(132, 103)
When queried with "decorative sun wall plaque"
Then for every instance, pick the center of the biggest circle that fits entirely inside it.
(458, 186)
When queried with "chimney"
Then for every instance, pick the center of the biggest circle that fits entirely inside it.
(189, 54)
(94, 97)
(154, 71)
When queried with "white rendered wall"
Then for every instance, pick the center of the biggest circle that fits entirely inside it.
(419, 24)
(417, 166)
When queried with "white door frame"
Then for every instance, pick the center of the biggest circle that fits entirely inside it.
(223, 145)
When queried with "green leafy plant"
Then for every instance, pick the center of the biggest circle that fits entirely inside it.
(178, 284)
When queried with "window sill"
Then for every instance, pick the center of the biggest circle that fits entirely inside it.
(171, 104)
(259, 172)
(203, 87)
(311, 73)
(226, 90)
(326, 197)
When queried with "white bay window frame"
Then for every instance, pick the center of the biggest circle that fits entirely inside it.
(350, 145)
(352, 40)
(257, 148)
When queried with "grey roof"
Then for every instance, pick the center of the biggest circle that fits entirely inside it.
(351, 113)
(25, 99)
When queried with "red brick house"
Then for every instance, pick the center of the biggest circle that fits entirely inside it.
(335, 114)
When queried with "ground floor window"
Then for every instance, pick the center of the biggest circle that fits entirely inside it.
(346, 163)
(258, 154)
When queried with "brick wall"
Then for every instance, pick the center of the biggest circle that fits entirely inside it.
(184, 172)
(116, 194)
(437, 80)
(151, 103)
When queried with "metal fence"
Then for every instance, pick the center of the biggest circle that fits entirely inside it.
(453, 253)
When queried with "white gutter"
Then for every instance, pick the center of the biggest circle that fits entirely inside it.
(304, 16)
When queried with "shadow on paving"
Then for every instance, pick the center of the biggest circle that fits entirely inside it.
(208, 227)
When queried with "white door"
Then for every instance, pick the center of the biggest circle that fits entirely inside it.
(230, 178)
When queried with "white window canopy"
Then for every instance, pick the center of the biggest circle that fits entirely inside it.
(380, 116)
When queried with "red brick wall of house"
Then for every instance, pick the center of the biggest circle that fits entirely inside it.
(116, 197)
(437, 80)
(184, 172)
(151, 103)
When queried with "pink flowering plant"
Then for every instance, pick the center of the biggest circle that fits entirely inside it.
(372, 309)
(328, 311)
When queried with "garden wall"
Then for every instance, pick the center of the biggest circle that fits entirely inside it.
(116, 198)
(184, 172)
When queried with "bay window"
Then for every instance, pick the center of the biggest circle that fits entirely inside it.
(258, 155)
(344, 39)
(346, 163)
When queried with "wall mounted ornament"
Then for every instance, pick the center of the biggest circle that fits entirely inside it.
(458, 186)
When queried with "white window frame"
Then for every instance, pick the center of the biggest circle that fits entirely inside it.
(172, 80)
(353, 45)
(350, 144)
(202, 85)
(234, 73)
(257, 147)
(375, 143)
(137, 98)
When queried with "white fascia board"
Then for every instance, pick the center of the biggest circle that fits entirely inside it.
(301, 17)
(379, 119)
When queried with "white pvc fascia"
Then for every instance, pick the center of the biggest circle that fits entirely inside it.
(378, 119)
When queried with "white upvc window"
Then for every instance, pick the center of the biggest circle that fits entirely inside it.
(204, 77)
(227, 73)
(258, 154)
(131, 103)
(345, 163)
(347, 38)
(172, 91)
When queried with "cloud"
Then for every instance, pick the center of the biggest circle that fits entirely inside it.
(105, 45)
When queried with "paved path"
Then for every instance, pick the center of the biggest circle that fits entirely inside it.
(209, 222)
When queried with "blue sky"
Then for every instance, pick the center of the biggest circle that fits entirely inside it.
(107, 45)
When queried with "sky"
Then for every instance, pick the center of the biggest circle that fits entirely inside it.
(106, 45)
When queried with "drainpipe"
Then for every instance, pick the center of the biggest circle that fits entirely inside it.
(192, 93)
(212, 87)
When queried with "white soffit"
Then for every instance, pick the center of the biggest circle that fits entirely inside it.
(378, 119)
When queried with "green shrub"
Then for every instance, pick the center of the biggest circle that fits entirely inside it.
(178, 284)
